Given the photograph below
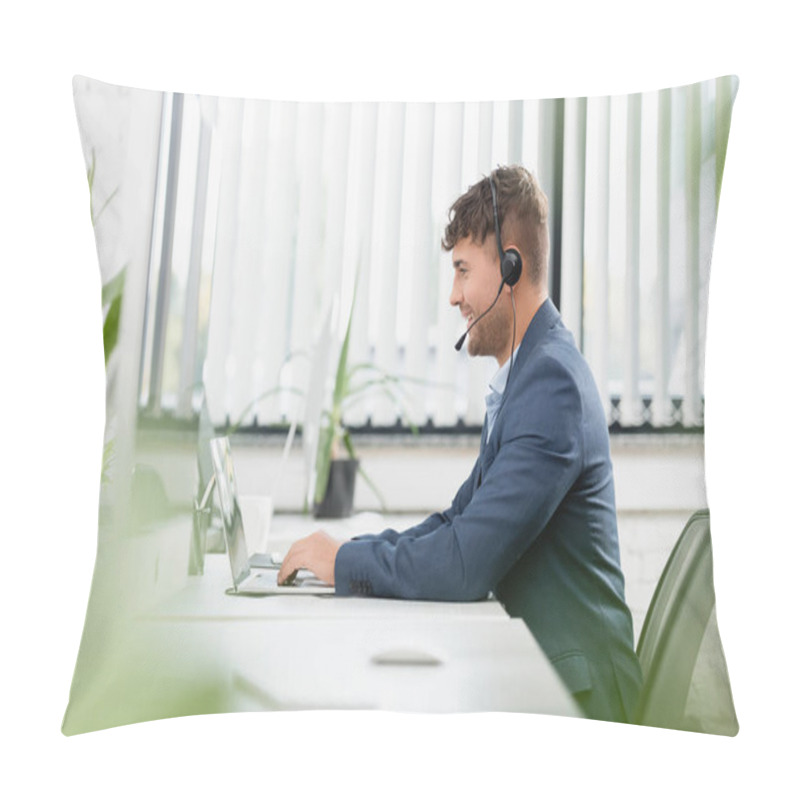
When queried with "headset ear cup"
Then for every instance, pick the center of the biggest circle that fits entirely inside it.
(511, 267)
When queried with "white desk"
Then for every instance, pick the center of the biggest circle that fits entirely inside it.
(160, 668)
(199, 650)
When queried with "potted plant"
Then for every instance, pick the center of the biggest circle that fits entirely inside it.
(336, 461)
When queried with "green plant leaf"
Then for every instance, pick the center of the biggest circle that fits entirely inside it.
(331, 431)
(108, 460)
(96, 216)
(342, 383)
(323, 462)
(113, 288)
(253, 403)
(90, 173)
(111, 327)
(348, 443)
(272, 390)
(90, 180)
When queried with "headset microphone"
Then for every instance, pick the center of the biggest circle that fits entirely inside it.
(460, 342)
(510, 265)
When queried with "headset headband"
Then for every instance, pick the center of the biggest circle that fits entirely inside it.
(510, 260)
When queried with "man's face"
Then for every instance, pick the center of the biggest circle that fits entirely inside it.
(476, 279)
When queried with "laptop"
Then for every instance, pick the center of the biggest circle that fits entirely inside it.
(256, 573)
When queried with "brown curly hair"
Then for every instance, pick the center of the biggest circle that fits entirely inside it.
(522, 208)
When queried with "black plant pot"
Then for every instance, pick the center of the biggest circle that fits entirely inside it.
(338, 499)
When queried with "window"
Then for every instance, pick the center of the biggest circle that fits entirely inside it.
(266, 213)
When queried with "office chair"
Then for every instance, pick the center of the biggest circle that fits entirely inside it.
(686, 684)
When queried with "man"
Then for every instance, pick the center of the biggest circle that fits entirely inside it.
(535, 522)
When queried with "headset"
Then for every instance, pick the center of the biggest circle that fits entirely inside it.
(510, 266)
(510, 260)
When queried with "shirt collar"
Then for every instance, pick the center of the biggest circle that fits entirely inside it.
(500, 379)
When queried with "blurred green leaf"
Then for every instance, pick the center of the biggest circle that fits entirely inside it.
(251, 405)
(111, 327)
(113, 288)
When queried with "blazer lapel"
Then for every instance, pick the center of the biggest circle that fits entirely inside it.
(479, 473)
(545, 318)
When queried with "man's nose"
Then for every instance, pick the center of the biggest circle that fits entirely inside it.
(455, 294)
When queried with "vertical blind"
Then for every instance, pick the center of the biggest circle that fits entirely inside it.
(270, 215)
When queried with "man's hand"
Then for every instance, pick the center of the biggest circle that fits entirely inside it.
(316, 552)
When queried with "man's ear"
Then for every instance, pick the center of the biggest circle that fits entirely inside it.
(511, 266)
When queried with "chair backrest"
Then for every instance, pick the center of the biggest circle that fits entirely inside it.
(686, 682)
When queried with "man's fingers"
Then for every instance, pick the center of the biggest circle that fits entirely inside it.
(287, 574)
(289, 580)
(289, 566)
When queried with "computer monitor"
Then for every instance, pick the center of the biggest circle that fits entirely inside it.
(207, 534)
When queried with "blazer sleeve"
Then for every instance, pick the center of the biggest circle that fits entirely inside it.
(462, 554)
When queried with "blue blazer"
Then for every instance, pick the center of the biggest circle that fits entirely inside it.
(535, 523)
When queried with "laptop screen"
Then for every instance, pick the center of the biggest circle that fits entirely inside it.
(232, 525)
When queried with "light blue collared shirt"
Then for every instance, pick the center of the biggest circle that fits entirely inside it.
(497, 386)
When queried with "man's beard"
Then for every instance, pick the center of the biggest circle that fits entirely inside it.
(491, 336)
